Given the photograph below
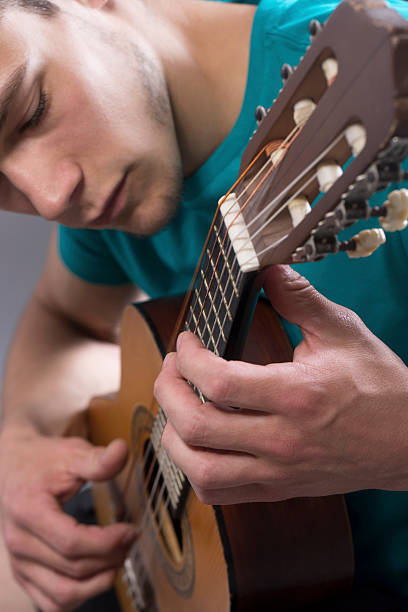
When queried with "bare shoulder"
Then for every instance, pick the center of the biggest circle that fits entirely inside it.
(95, 308)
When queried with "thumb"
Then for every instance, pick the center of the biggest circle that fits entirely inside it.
(297, 301)
(102, 463)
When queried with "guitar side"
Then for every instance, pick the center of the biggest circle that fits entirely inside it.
(250, 556)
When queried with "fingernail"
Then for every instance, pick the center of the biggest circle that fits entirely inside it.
(179, 341)
(166, 360)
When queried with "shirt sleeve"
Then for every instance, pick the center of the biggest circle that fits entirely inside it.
(87, 255)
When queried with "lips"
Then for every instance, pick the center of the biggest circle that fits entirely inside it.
(114, 204)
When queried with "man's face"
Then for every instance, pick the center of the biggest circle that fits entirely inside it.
(89, 139)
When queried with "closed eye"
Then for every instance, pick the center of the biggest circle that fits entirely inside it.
(39, 114)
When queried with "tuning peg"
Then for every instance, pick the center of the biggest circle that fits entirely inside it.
(356, 136)
(327, 175)
(302, 110)
(314, 28)
(260, 114)
(330, 68)
(396, 208)
(286, 71)
(364, 243)
(298, 208)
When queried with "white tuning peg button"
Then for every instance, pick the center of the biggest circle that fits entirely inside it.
(356, 137)
(397, 211)
(327, 175)
(330, 68)
(367, 242)
(298, 207)
(302, 110)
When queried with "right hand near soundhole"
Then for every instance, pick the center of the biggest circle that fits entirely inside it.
(59, 562)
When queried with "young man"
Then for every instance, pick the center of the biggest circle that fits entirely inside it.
(104, 109)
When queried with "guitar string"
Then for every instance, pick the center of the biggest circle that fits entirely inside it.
(147, 451)
(211, 330)
(247, 188)
(162, 491)
(283, 145)
(265, 211)
(281, 148)
(285, 204)
(133, 461)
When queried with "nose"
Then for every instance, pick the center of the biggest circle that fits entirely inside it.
(49, 186)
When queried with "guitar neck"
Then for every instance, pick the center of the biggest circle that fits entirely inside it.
(223, 298)
(219, 313)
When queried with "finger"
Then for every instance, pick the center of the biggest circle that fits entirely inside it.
(207, 469)
(65, 592)
(256, 492)
(97, 463)
(66, 536)
(23, 545)
(299, 302)
(42, 601)
(208, 425)
(273, 388)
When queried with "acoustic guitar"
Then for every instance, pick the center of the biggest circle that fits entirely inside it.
(336, 134)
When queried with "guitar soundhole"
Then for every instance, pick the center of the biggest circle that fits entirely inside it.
(172, 533)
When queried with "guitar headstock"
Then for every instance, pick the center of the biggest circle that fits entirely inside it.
(336, 134)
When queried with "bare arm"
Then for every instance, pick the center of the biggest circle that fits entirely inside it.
(65, 351)
(66, 348)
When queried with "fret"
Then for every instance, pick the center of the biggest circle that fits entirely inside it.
(197, 325)
(231, 276)
(219, 279)
(188, 321)
(202, 298)
(223, 243)
(218, 261)
(230, 305)
(200, 318)
(211, 299)
(209, 326)
(218, 290)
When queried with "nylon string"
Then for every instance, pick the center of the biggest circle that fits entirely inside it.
(161, 506)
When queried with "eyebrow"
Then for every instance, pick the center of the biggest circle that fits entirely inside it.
(9, 92)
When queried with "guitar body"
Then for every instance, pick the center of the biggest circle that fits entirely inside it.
(258, 556)
(305, 176)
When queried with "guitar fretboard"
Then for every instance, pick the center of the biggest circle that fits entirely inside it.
(220, 305)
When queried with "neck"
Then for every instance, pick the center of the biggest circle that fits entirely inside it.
(208, 86)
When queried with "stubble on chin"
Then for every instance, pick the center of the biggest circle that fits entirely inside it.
(155, 211)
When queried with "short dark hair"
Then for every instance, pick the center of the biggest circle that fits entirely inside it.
(41, 7)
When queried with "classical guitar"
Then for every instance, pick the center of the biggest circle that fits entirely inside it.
(336, 134)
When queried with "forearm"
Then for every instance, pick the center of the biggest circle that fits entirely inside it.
(53, 370)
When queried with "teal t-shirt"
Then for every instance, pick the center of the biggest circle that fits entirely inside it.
(373, 287)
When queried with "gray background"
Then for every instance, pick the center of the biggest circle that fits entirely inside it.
(23, 245)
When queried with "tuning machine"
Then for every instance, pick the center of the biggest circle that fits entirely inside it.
(260, 114)
(389, 163)
(394, 215)
(286, 71)
(361, 245)
(314, 28)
